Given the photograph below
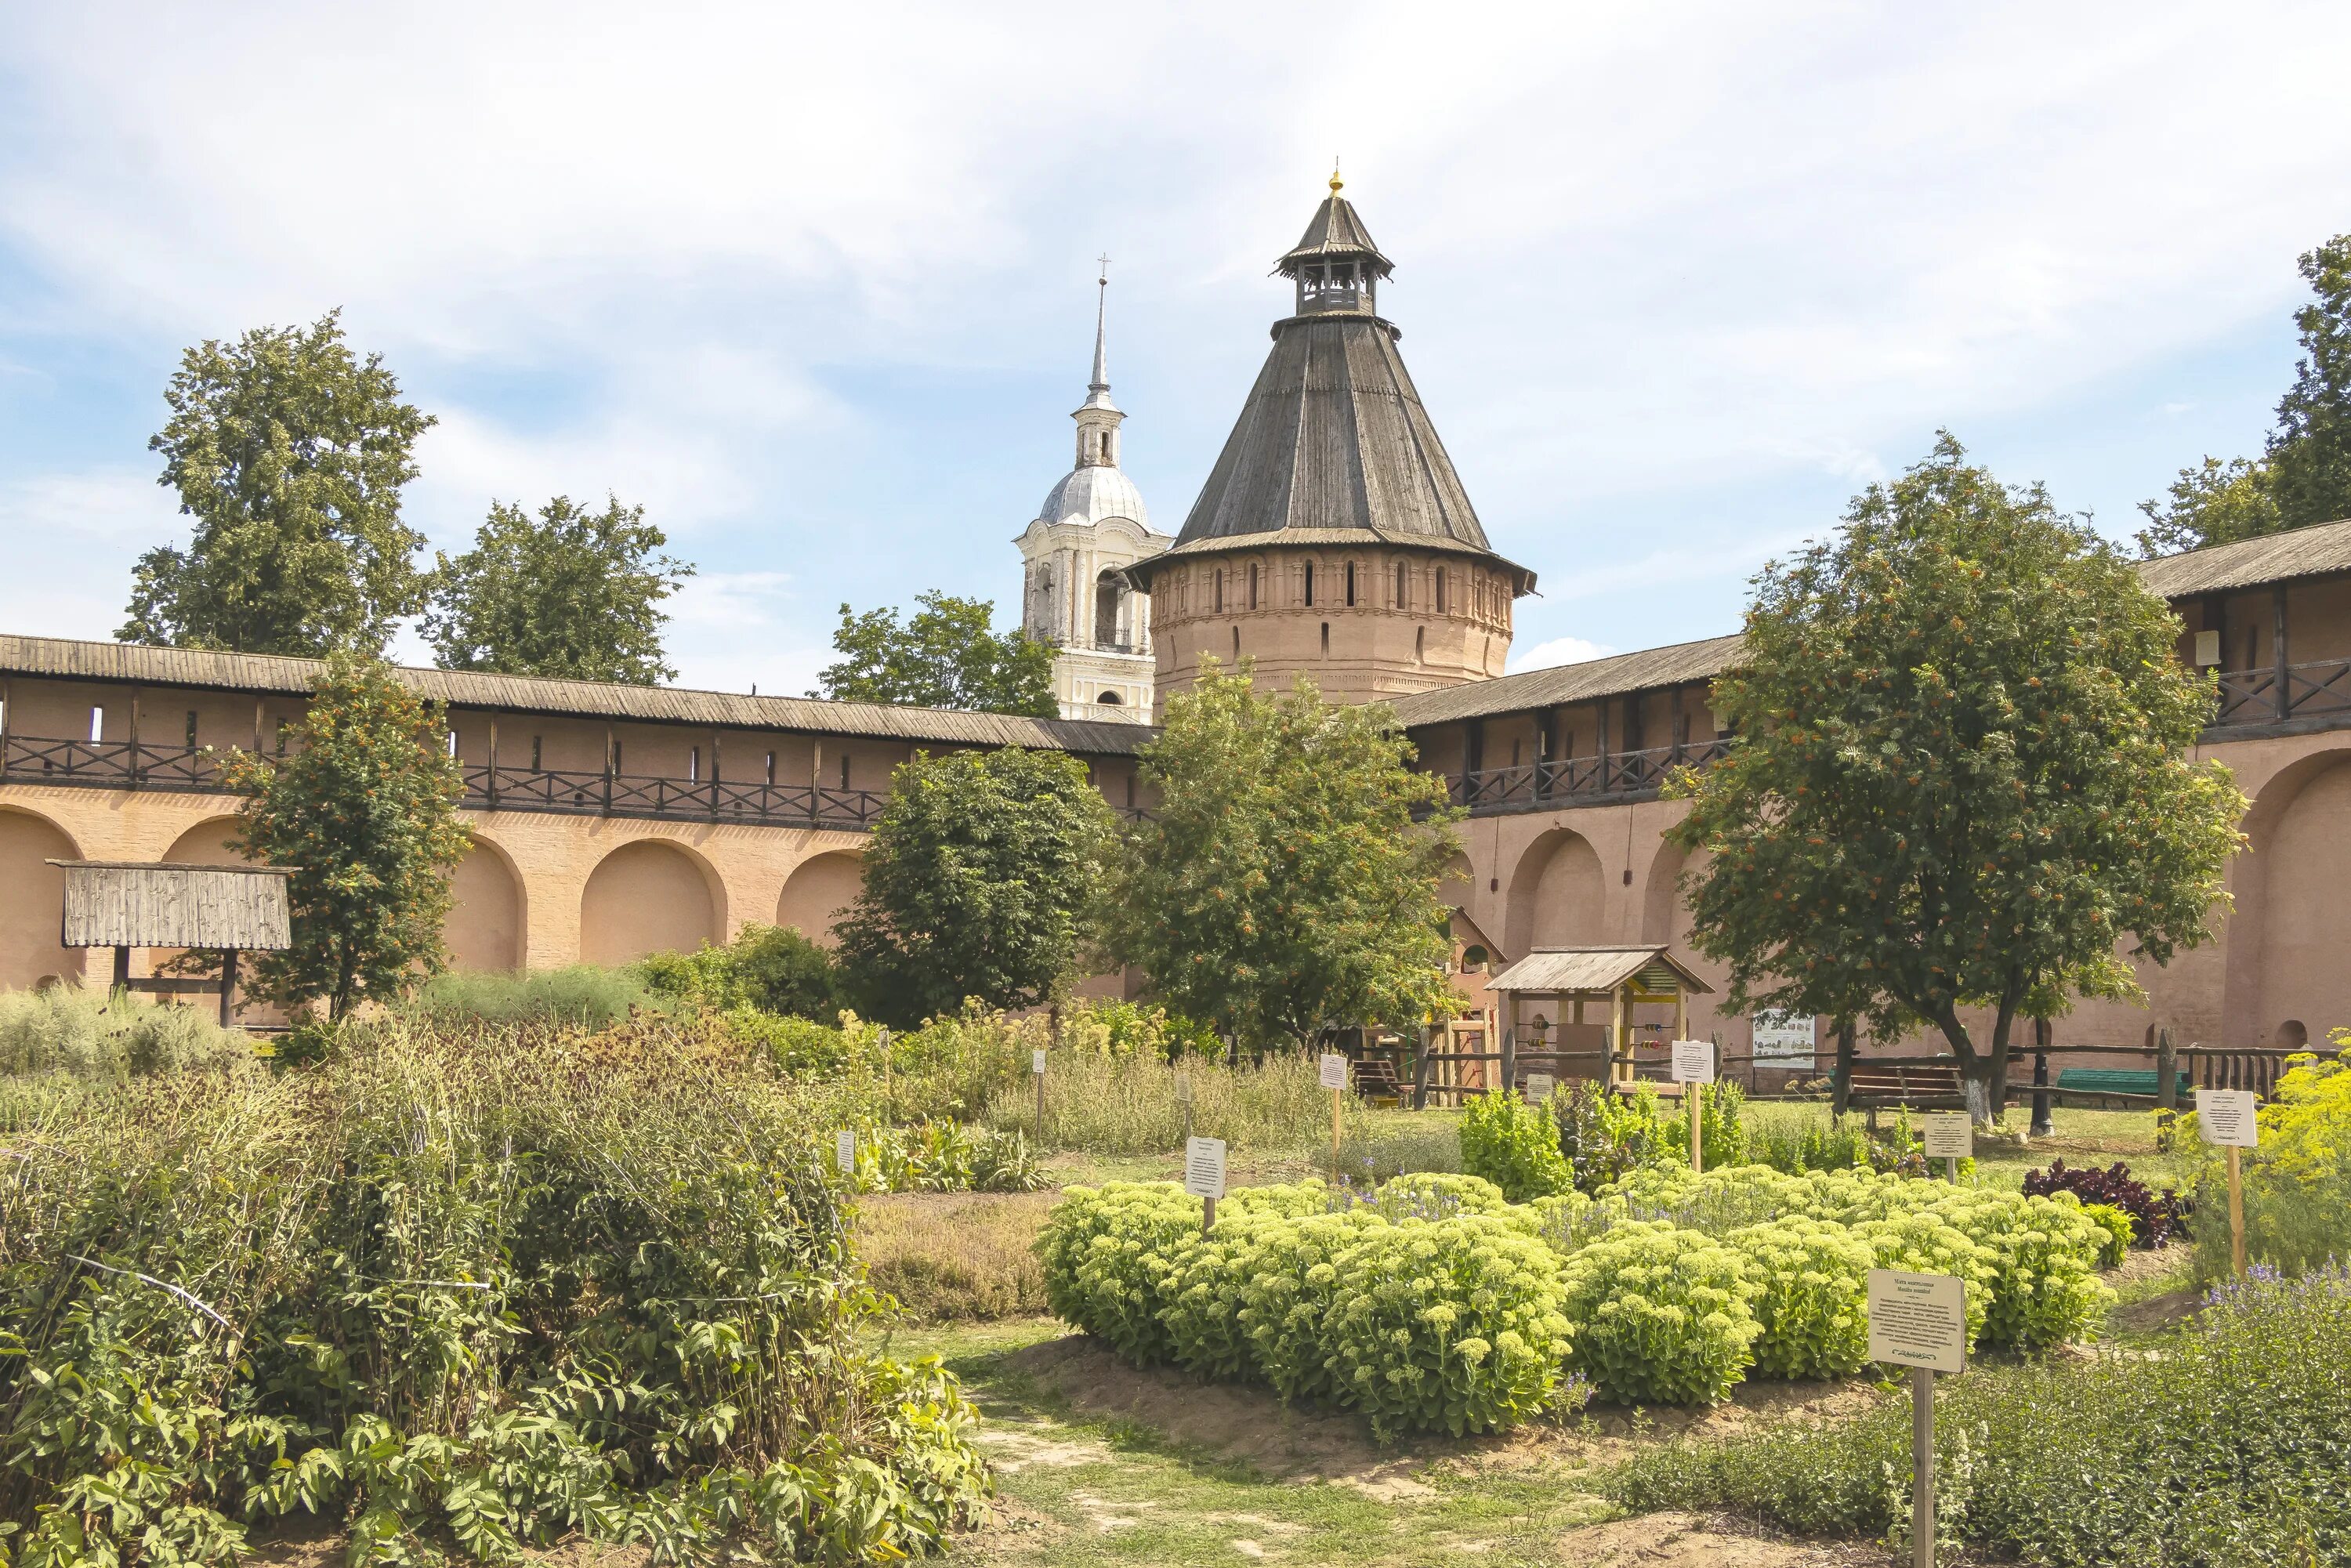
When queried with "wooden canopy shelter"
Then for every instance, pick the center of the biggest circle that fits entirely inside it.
(225, 909)
(1620, 976)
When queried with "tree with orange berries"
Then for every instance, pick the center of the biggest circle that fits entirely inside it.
(1959, 787)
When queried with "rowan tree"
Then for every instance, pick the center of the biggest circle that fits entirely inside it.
(1286, 879)
(363, 807)
(573, 593)
(290, 454)
(1959, 776)
(947, 654)
(979, 881)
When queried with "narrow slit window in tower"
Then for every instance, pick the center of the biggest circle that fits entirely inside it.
(1237, 644)
(1220, 590)
(1326, 639)
(1440, 590)
(771, 767)
(1252, 605)
(694, 765)
(1400, 593)
(1419, 638)
(1350, 585)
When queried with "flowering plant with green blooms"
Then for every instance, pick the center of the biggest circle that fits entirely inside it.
(1106, 1257)
(1434, 1195)
(1662, 1315)
(1287, 1289)
(1216, 1285)
(1922, 1242)
(2119, 1228)
(2045, 1289)
(1515, 1145)
(1450, 1326)
(1286, 1200)
(1813, 1305)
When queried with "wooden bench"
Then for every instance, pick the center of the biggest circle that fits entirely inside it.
(1915, 1083)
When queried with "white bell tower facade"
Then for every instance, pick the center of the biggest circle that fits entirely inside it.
(1075, 593)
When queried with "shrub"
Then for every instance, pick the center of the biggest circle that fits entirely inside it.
(1127, 1105)
(2297, 1184)
(1662, 1315)
(2119, 1231)
(944, 1156)
(772, 968)
(1604, 1134)
(2153, 1219)
(2224, 1449)
(1813, 1305)
(1722, 1125)
(1513, 1145)
(1802, 1143)
(588, 1284)
(1104, 1027)
(1369, 1157)
(1453, 1326)
(92, 1035)
(584, 996)
(1108, 1254)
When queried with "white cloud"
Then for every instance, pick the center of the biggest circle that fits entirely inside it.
(1558, 650)
(111, 506)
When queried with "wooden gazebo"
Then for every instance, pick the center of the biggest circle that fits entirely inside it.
(226, 909)
(1619, 977)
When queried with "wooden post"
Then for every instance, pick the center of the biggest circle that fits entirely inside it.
(492, 790)
(1841, 1076)
(1620, 1038)
(1922, 1463)
(2167, 1072)
(2280, 700)
(2043, 1125)
(259, 718)
(1510, 1059)
(1694, 1101)
(1420, 1067)
(2236, 1212)
(228, 984)
(133, 758)
(1208, 1214)
(610, 767)
(1335, 1095)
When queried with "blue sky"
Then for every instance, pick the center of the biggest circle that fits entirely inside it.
(814, 285)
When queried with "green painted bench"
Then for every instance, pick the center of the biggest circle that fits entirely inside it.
(2114, 1081)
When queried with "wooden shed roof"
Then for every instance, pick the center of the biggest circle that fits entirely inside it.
(263, 672)
(1551, 971)
(148, 904)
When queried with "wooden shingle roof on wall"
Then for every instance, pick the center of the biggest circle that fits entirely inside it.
(132, 904)
(1652, 668)
(65, 658)
(2319, 551)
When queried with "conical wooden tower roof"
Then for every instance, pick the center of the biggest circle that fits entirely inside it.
(1333, 446)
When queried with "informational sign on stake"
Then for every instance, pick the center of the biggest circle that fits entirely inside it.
(1334, 1078)
(1203, 1174)
(845, 1153)
(1036, 1071)
(1037, 1063)
(1539, 1087)
(1694, 1066)
(1920, 1321)
(1950, 1136)
(2231, 1118)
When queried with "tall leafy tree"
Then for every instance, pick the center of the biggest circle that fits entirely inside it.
(573, 593)
(979, 880)
(2304, 476)
(364, 810)
(1961, 775)
(1287, 878)
(289, 453)
(2310, 455)
(947, 654)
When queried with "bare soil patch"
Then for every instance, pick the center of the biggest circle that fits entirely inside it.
(1684, 1541)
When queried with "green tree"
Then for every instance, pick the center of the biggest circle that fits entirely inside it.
(289, 454)
(1960, 776)
(364, 810)
(2310, 455)
(573, 593)
(947, 654)
(2215, 503)
(979, 879)
(1287, 878)
(2304, 476)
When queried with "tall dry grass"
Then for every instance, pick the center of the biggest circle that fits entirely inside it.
(99, 1035)
(1128, 1106)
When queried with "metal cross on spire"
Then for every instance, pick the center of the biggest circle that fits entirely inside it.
(1100, 384)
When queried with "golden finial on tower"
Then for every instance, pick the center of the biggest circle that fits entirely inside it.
(1335, 181)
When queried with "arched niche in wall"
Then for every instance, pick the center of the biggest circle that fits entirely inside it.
(647, 896)
(485, 924)
(2303, 927)
(818, 892)
(206, 844)
(1557, 894)
(32, 905)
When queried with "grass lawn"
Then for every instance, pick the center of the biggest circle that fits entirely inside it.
(1099, 1464)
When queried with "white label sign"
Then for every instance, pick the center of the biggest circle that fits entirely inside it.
(1334, 1071)
(1037, 1063)
(1693, 1062)
(1204, 1167)
(2225, 1116)
(1949, 1135)
(1539, 1085)
(1784, 1039)
(845, 1153)
(1919, 1320)
(1183, 1085)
